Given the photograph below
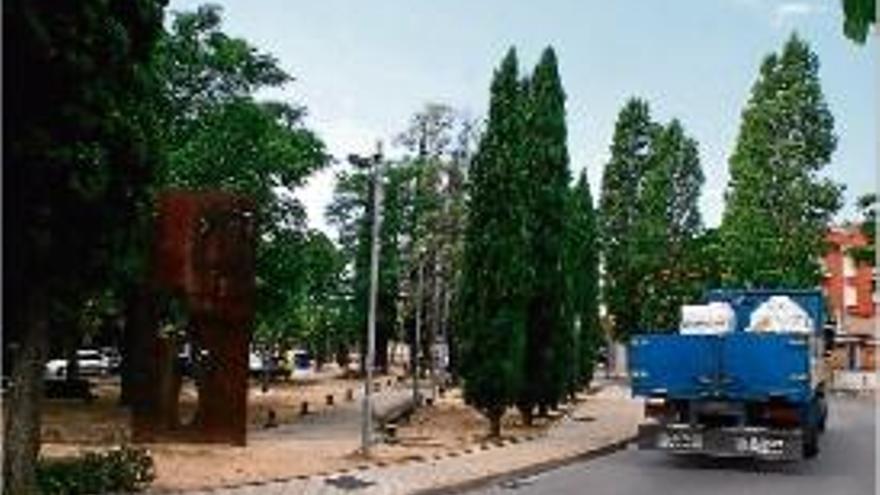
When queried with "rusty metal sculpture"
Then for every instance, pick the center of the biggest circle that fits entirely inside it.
(204, 260)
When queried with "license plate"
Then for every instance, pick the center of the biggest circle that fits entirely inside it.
(760, 445)
(680, 440)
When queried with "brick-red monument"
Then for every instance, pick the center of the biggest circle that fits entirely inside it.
(203, 258)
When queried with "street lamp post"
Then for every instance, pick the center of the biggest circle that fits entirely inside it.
(366, 424)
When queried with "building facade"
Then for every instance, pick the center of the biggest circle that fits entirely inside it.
(850, 289)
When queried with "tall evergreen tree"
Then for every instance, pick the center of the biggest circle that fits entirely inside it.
(549, 353)
(622, 182)
(495, 272)
(667, 225)
(582, 265)
(777, 206)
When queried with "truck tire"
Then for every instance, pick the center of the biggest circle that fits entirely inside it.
(811, 442)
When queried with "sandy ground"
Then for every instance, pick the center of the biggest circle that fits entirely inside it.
(324, 441)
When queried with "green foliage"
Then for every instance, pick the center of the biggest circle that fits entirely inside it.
(496, 273)
(858, 17)
(305, 308)
(352, 213)
(549, 329)
(632, 151)
(582, 266)
(667, 225)
(440, 138)
(79, 136)
(778, 207)
(218, 136)
(78, 141)
(125, 469)
(868, 205)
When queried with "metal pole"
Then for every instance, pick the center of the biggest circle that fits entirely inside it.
(414, 359)
(367, 426)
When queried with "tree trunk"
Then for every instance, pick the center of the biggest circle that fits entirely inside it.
(169, 383)
(342, 357)
(542, 410)
(135, 313)
(71, 371)
(528, 414)
(495, 424)
(21, 431)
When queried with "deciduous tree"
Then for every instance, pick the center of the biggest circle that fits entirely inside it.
(778, 206)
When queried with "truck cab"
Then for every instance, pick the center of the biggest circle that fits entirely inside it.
(740, 392)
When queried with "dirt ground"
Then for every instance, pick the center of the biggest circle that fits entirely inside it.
(103, 422)
(322, 442)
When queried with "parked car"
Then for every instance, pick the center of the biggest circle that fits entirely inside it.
(90, 362)
(260, 364)
(301, 363)
(114, 359)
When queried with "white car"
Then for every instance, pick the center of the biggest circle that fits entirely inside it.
(301, 363)
(90, 361)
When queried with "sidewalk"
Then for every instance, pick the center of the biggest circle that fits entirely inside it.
(606, 418)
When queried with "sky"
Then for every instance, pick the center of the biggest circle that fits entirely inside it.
(363, 68)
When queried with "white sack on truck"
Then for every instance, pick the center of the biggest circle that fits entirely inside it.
(707, 319)
(780, 314)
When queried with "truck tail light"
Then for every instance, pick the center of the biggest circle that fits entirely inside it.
(656, 407)
(781, 414)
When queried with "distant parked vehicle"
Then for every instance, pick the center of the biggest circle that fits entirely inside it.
(301, 364)
(89, 361)
(260, 364)
(114, 359)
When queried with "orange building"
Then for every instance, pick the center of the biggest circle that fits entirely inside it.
(850, 287)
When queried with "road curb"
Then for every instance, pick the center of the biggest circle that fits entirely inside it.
(526, 471)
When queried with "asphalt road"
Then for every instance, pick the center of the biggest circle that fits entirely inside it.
(845, 466)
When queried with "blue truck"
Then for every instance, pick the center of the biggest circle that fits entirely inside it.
(734, 394)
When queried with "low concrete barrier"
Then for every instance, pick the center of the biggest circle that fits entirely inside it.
(854, 381)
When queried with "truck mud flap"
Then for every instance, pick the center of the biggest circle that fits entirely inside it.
(754, 442)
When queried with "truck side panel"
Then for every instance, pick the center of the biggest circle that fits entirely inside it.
(673, 365)
(760, 366)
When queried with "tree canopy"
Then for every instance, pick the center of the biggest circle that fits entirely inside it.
(495, 275)
(79, 153)
(777, 205)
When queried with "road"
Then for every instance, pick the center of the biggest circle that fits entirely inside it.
(846, 466)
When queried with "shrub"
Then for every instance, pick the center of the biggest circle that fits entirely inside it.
(125, 469)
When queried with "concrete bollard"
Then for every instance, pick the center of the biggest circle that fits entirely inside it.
(391, 433)
(271, 419)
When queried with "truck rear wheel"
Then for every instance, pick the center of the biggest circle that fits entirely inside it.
(811, 442)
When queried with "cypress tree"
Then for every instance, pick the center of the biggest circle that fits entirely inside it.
(549, 353)
(777, 207)
(622, 182)
(495, 273)
(582, 266)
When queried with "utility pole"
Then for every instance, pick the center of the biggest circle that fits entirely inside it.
(377, 167)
